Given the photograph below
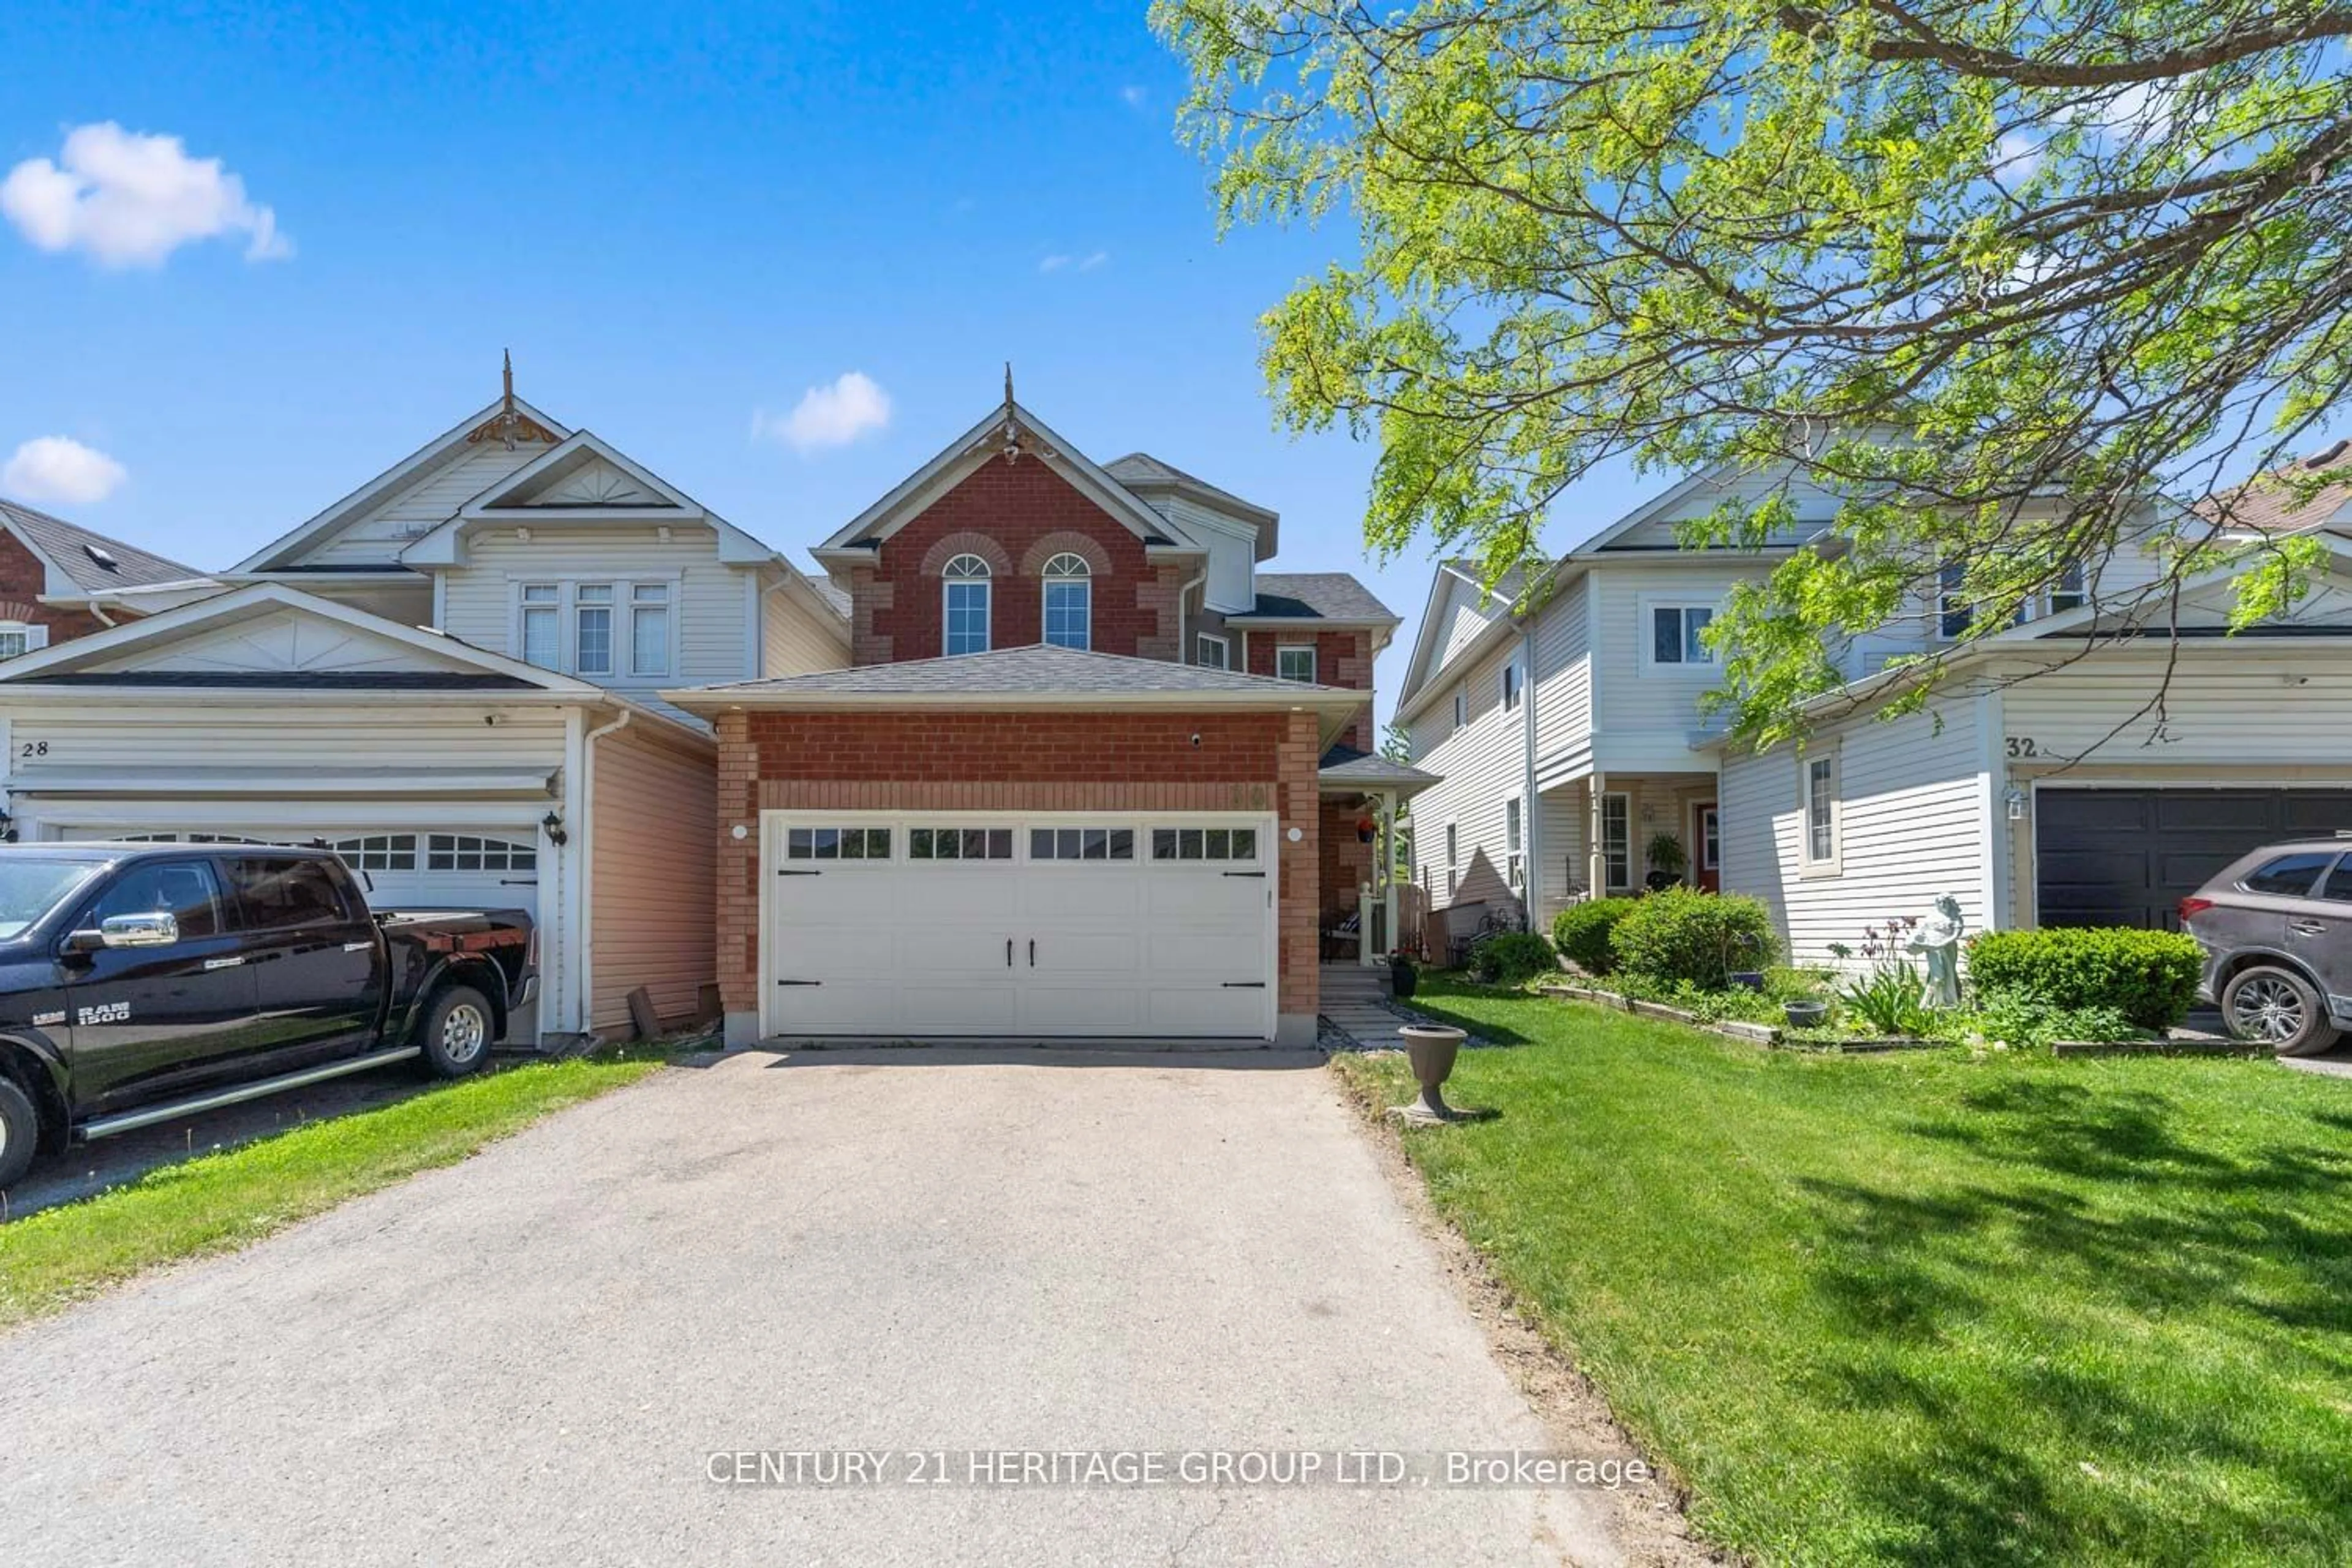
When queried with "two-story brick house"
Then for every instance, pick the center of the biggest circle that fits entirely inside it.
(451, 675)
(1087, 774)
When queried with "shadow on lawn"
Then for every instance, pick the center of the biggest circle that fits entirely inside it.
(2235, 1248)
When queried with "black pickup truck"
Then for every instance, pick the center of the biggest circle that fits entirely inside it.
(143, 982)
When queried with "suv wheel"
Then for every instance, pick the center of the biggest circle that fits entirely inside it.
(2278, 1008)
(20, 1132)
(457, 1032)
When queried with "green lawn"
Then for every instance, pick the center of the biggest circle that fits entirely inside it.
(1926, 1309)
(225, 1200)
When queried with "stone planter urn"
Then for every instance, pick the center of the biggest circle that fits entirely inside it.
(1431, 1047)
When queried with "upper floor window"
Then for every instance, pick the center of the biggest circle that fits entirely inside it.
(20, 637)
(965, 606)
(1461, 708)
(1954, 615)
(1675, 633)
(2068, 593)
(1069, 601)
(1295, 663)
(1213, 652)
(599, 630)
(1511, 678)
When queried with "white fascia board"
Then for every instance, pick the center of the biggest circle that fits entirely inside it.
(391, 479)
(555, 456)
(969, 451)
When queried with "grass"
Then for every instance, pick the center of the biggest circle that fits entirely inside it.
(1931, 1308)
(223, 1201)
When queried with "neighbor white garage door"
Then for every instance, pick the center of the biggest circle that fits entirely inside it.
(1018, 925)
(422, 868)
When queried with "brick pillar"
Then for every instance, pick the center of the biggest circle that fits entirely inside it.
(739, 879)
(1299, 802)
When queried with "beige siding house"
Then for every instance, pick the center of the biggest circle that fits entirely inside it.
(451, 675)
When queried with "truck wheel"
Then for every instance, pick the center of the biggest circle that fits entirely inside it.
(456, 1031)
(2279, 1008)
(20, 1132)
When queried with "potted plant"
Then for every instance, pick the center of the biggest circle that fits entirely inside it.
(1667, 862)
(1805, 1013)
(1403, 978)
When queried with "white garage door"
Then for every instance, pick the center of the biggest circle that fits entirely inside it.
(425, 868)
(1031, 925)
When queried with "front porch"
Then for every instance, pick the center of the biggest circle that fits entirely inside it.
(1364, 901)
(1602, 837)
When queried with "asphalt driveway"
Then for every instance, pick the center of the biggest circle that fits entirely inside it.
(536, 1356)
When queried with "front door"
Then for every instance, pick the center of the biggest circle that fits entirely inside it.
(1707, 834)
(312, 949)
(155, 1023)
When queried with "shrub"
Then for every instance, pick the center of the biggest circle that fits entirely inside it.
(1684, 934)
(2149, 976)
(2020, 1018)
(1510, 956)
(1582, 932)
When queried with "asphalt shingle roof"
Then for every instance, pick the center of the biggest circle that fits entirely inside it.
(1345, 764)
(69, 546)
(1038, 670)
(1142, 469)
(2267, 504)
(1314, 596)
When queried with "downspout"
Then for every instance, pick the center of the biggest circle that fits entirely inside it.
(1530, 807)
(587, 836)
(1183, 596)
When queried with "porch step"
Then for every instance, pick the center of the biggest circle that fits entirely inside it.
(1352, 981)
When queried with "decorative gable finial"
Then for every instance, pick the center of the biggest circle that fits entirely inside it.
(509, 425)
(1011, 424)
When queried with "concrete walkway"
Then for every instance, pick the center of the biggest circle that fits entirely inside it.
(535, 1355)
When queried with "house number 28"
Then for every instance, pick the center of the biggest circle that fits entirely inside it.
(34, 749)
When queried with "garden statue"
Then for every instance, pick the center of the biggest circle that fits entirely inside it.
(1937, 940)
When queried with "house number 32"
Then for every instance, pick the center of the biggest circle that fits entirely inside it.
(2023, 746)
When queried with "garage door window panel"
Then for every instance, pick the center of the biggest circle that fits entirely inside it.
(1082, 844)
(958, 844)
(837, 844)
(378, 852)
(1205, 843)
(465, 852)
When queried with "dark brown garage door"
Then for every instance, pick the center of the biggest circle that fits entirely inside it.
(2127, 857)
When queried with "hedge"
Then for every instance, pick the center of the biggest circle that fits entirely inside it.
(1511, 956)
(1581, 932)
(2149, 976)
(1681, 933)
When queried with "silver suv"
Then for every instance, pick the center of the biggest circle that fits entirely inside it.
(2276, 928)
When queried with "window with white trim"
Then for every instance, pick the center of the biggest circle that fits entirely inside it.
(1295, 662)
(1453, 860)
(378, 852)
(2070, 591)
(1617, 840)
(1212, 652)
(1082, 844)
(18, 638)
(1515, 865)
(465, 852)
(964, 605)
(1461, 708)
(1069, 601)
(1204, 844)
(1954, 613)
(1511, 679)
(1675, 633)
(958, 844)
(601, 631)
(1820, 850)
(837, 844)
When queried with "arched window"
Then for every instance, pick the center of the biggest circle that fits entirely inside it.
(966, 604)
(1069, 601)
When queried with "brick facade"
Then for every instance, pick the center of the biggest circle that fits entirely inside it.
(909, 759)
(1341, 658)
(1015, 515)
(23, 580)
(1346, 863)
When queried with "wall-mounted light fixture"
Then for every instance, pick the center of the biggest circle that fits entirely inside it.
(554, 822)
(2016, 800)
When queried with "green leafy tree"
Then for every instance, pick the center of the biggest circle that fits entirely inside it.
(1993, 276)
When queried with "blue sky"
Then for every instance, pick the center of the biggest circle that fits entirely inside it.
(678, 221)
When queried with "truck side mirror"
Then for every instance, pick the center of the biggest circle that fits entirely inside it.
(158, 929)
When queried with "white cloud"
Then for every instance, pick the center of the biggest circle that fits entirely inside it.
(1135, 97)
(1087, 263)
(2017, 156)
(58, 469)
(131, 200)
(833, 416)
